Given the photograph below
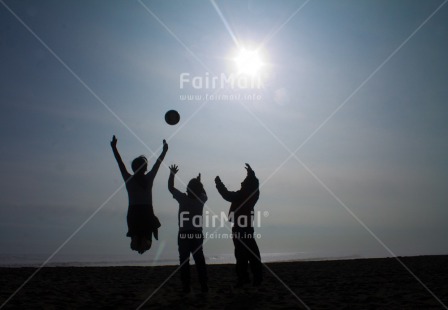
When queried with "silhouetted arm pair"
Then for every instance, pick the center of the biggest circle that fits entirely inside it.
(228, 195)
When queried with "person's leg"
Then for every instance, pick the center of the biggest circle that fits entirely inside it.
(134, 243)
(146, 243)
(255, 260)
(184, 259)
(252, 253)
(241, 259)
(199, 260)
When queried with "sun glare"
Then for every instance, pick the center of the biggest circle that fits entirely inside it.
(248, 62)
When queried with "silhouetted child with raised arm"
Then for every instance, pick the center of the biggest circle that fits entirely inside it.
(142, 223)
(190, 237)
(241, 213)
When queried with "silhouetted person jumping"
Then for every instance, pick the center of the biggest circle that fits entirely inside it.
(190, 237)
(241, 213)
(142, 223)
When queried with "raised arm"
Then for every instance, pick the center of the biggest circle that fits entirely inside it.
(173, 170)
(159, 160)
(124, 173)
(226, 194)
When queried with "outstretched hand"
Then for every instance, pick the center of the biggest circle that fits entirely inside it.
(217, 180)
(165, 145)
(174, 169)
(114, 141)
(199, 177)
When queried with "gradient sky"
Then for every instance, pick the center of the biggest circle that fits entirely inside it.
(383, 154)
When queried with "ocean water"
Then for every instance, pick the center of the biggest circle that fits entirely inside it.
(38, 260)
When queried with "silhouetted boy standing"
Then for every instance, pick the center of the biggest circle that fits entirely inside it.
(190, 237)
(242, 215)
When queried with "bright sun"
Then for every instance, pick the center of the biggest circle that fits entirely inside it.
(248, 62)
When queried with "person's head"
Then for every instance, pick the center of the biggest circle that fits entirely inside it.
(249, 184)
(139, 165)
(195, 188)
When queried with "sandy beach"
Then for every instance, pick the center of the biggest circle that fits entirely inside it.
(344, 284)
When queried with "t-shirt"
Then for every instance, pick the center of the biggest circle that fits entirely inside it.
(243, 203)
(190, 211)
(140, 193)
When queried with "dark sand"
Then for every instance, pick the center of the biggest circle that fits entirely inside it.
(345, 284)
